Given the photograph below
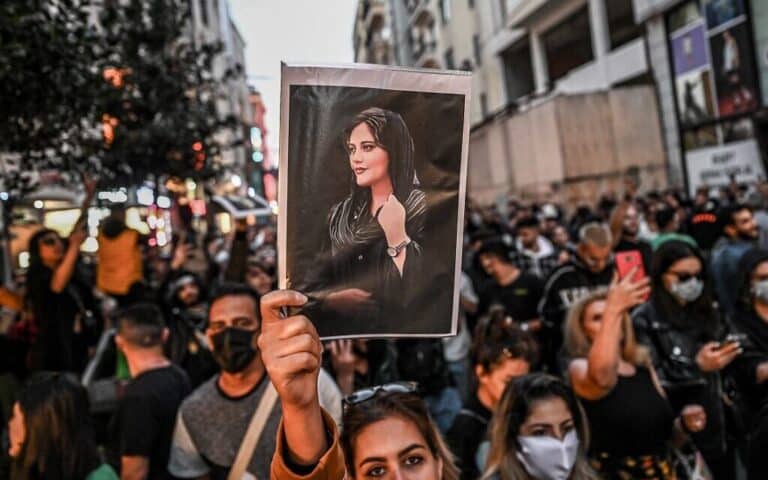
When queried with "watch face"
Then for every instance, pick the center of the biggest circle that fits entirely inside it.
(392, 252)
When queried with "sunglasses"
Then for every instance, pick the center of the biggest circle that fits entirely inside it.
(685, 276)
(366, 394)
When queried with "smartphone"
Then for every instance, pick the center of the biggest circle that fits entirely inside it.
(734, 338)
(629, 260)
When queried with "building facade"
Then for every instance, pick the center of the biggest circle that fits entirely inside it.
(545, 74)
(710, 62)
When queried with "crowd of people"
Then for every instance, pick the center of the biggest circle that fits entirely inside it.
(563, 367)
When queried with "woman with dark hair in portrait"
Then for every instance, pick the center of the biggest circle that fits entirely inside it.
(376, 232)
(539, 432)
(50, 432)
(683, 332)
(58, 300)
(750, 369)
(629, 416)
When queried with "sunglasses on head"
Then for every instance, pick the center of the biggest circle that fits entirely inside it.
(366, 394)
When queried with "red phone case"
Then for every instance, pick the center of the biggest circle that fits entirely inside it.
(626, 261)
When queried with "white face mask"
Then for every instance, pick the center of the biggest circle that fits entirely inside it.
(547, 458)
(689, 290)
(760, 291)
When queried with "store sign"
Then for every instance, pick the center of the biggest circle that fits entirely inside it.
(714, 166)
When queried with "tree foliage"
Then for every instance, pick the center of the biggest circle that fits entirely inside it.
(121, 88)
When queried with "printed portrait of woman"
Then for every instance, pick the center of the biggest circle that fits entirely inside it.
(372, 179)
(376, 232)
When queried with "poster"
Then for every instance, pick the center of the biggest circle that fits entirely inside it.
(695, 99)
(373, 166)
(713, 166)
(720, 12)
(760, 29)
(689, 50)
(733, 70)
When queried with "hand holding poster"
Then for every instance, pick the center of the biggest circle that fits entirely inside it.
(372, 184)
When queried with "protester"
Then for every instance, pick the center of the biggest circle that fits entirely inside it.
(186, 311)
(146, 414)
(513, 289)
(682, 330)
(357, 364)
(625, 229)
(120, 268)
(590, 269)
(533, 252)
(387, 430)
(630, 420)
(213, 420)
(538, 431)
(456, 349)
(500, 353)
(668, 223)
(51, 433)
(740, 234)
(702, 222)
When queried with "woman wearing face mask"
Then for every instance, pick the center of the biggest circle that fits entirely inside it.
(683, 332)
(750, 370)
(539, 432)
(629, 416)
(50, 433)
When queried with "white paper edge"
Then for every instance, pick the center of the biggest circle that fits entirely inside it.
(359, 75)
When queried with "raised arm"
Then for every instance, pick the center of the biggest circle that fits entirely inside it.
(595, 376)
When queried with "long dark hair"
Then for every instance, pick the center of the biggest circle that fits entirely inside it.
(514, 408)
(747, 266)
(35, 262)
(407, 406)
(391, 133)
(701, 312)
(60, 442)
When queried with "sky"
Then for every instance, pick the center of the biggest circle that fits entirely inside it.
(290, 31)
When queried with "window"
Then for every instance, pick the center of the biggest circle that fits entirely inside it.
(568, 45)
(204, 11)
(621, 22)
(471, 3)
(476, 49)
(518, 71)
(449, 62)
(466, 65)
(484, 105)
(445, 11)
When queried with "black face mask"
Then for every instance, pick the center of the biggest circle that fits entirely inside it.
(233, 349)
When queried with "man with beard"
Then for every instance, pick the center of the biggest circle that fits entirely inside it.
(740, 233)
(625, 227)
(534, 253)
(213, 420)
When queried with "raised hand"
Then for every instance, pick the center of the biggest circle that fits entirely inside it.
(391, 217)
(290, 349)
(626, 293)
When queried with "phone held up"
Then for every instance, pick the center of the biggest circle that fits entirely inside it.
(628, 261)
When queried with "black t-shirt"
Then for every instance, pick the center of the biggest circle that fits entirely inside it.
(520, 298)
(146, 416)
(468, 432)
(703, 226)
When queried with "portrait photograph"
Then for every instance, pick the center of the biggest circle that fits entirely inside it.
(372, 184)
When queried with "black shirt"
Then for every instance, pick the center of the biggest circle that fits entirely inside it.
(146, 416)
(468, 431)
(519, 299)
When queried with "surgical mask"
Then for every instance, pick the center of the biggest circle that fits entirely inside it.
(760, 291)
(547, 458)
(233, 349)
(687, 291)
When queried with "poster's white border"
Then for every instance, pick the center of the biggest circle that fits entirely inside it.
(373, 76)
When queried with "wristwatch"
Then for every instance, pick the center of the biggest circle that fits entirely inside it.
(395, 251)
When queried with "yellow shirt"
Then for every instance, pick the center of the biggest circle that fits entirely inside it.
(119, 262)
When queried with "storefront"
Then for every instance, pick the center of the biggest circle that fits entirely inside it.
(718, 54)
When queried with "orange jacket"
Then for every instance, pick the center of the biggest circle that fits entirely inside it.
(331, 464)
(119, 262)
